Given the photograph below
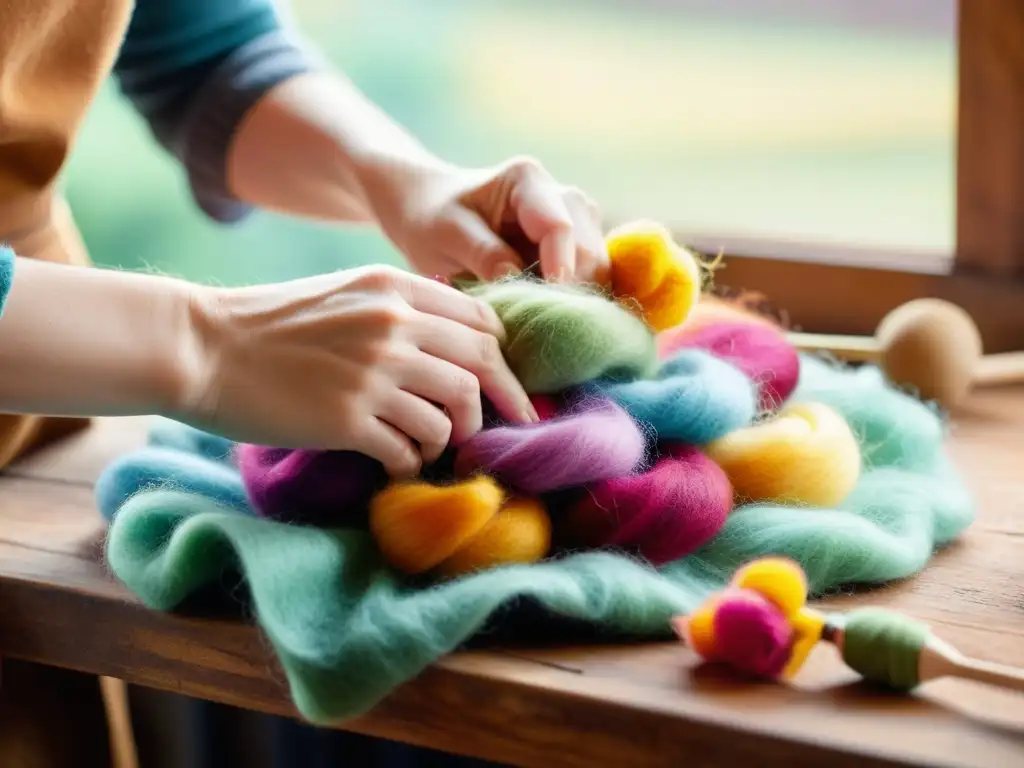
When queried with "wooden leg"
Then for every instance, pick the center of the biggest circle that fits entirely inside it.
(51, 718)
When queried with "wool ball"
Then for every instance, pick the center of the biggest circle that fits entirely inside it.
(519, 533)
(806, 455)
(752, 635)
(560, 336)
(650, 269)
(777, 579)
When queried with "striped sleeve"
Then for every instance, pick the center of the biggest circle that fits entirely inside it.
(193, 69)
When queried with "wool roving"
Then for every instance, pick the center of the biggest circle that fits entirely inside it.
(693, 398)
(806, 454)
(661, 515)
(457, 528)
(649, 268)
(334, 611)
(323, 487)
(593, 439)
(757, 349)
(561, 336)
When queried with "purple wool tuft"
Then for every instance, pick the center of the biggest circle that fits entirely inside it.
(593, 440)
(320, 487)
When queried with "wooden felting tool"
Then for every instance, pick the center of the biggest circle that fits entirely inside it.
(760, 625)
(899, 652)
(930, 345)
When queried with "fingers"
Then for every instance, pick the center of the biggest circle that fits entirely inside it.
(479, 247)
(591, 252)
(386, 444)
(563, 222)
(545, 219)
(419, 419)
(480, 355)
(434, 298)
(432, 379)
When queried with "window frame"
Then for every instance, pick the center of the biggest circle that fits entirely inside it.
(831, 289)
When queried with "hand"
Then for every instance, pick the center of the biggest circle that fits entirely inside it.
(490, 222)
(373, 360)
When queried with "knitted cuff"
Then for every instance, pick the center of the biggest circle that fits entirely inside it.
(221, 104)
(6, 275)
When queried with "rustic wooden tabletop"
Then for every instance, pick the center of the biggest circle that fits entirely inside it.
(592, 706)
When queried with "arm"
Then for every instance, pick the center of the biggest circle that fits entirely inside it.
(76, 341)
(194, 69)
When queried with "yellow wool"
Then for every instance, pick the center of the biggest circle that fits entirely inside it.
(806, 455)
(650, 269)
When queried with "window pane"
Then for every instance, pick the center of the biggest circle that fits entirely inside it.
(795, 119)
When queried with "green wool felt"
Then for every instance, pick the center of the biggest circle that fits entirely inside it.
(348, 630)
(553, 344)
(884, 647)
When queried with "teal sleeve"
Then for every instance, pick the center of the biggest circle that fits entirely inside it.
(6, 275)
(194, 68)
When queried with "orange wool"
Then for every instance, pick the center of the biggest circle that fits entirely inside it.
(458, 528)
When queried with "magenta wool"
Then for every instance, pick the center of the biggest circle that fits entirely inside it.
(593, 439)
(663, 514)
(752, 635)
(321, 487)
(761, 352)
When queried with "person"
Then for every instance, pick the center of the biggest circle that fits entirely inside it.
(388, 362)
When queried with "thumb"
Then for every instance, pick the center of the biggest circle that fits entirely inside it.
(480, 250)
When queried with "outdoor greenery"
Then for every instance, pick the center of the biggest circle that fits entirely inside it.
(782, 130)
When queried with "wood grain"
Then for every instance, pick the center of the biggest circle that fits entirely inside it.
(647, 705)
(990, 141)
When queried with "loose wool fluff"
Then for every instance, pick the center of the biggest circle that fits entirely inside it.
(595, 439)
(649, 268)
(334, 610)
(422, 566)
(694, 398)
(805, 455)
(757, 349)
(662, 514)
(457, 528)
(561, 336)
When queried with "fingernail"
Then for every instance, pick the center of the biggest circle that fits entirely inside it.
(530, 414)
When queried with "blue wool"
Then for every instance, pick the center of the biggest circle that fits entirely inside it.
(6, 275)
(171, 434)
(696, 398)
(348, 630)
(170, 469)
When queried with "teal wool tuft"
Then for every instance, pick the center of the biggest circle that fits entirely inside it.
(560, 336)
(6, 275)
(348, 630)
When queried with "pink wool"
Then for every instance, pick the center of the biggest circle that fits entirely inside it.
(662, 515)
(752, 635)
(761, 352)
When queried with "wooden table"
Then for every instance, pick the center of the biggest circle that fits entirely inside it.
(640, 706)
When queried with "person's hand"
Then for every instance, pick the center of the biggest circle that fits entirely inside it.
(373, 360)
(490, 222)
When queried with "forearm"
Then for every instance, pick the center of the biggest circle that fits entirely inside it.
(315, 146)
(77, 341)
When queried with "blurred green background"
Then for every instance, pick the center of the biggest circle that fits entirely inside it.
(828, 121)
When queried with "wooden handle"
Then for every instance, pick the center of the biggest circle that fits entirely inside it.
(940, 660)
(1004, 368)
(854, 349)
